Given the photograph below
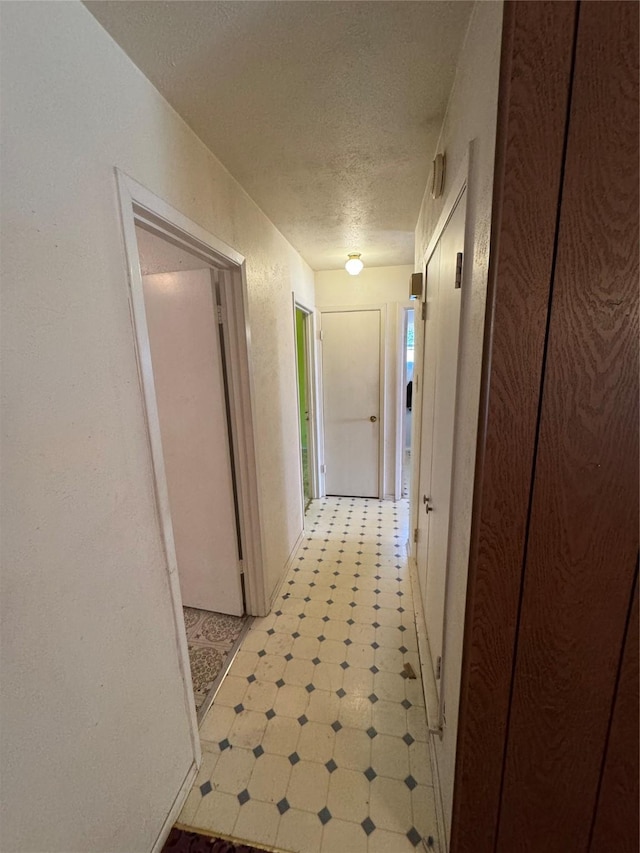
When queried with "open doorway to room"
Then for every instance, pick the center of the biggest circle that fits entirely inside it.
(303, 377)
(407, 366)
(187, 308)
(306, 390)
(186, 339)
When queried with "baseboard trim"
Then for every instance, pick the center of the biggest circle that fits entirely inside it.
(176, 808)
(430, 695)
(287, 566)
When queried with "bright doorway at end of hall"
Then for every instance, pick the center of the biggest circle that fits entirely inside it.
(408, 350)
(186, 340)
(302, 362)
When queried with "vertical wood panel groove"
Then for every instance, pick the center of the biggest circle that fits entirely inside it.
(618, 760)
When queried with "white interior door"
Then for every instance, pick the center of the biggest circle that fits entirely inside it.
(428, 379)
(351, 401)
(189, 385)
(438, 413)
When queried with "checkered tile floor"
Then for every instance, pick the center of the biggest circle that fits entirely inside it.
(317, 740)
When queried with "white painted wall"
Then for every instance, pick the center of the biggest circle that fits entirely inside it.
(95, 740)
(388, 286)
(471, 115)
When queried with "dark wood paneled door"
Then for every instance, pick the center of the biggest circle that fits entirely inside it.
(548, 738)
(583, 524)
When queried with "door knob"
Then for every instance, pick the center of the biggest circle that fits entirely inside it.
(373, 419)
(426, 502)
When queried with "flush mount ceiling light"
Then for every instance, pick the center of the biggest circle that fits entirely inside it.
(354, 265)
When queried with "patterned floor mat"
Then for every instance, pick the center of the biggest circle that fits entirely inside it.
(210, 637)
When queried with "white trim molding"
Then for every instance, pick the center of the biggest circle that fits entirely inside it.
(139, 206)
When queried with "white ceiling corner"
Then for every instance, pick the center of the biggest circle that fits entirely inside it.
(327, 112)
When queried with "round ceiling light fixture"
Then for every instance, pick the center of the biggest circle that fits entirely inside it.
(354, 265)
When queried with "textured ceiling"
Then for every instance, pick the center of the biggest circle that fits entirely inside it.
(326, 112)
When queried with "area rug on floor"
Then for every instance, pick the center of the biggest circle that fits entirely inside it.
(210, 638)
(181, 841)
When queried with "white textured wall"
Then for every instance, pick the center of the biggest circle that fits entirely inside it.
(94, 728)
(388, 286)
(471, 115)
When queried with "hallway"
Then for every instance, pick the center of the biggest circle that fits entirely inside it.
(317, 740)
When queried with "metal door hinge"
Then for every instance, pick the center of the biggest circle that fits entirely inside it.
(438, 666)
(415, 535)
(219, 314)
(437, 730)
(424, 310)
(458, 270)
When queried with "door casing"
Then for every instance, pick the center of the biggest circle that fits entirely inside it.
(139, 205)
(312, 401)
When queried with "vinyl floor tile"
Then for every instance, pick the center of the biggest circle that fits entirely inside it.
(316, 741)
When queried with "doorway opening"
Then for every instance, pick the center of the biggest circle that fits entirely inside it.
(304, 402)
(407, 366)
(186, 337)
(187, 294)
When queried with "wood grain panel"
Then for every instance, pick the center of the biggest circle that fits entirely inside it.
(616, 818)
(583, 539)
(534, 83)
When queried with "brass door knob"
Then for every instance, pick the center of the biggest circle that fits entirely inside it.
(373, 419)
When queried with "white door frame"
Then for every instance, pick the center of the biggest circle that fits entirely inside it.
(332, 309)
(312, 402)
(139, 205)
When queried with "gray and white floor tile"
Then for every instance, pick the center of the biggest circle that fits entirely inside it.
(317, 739)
